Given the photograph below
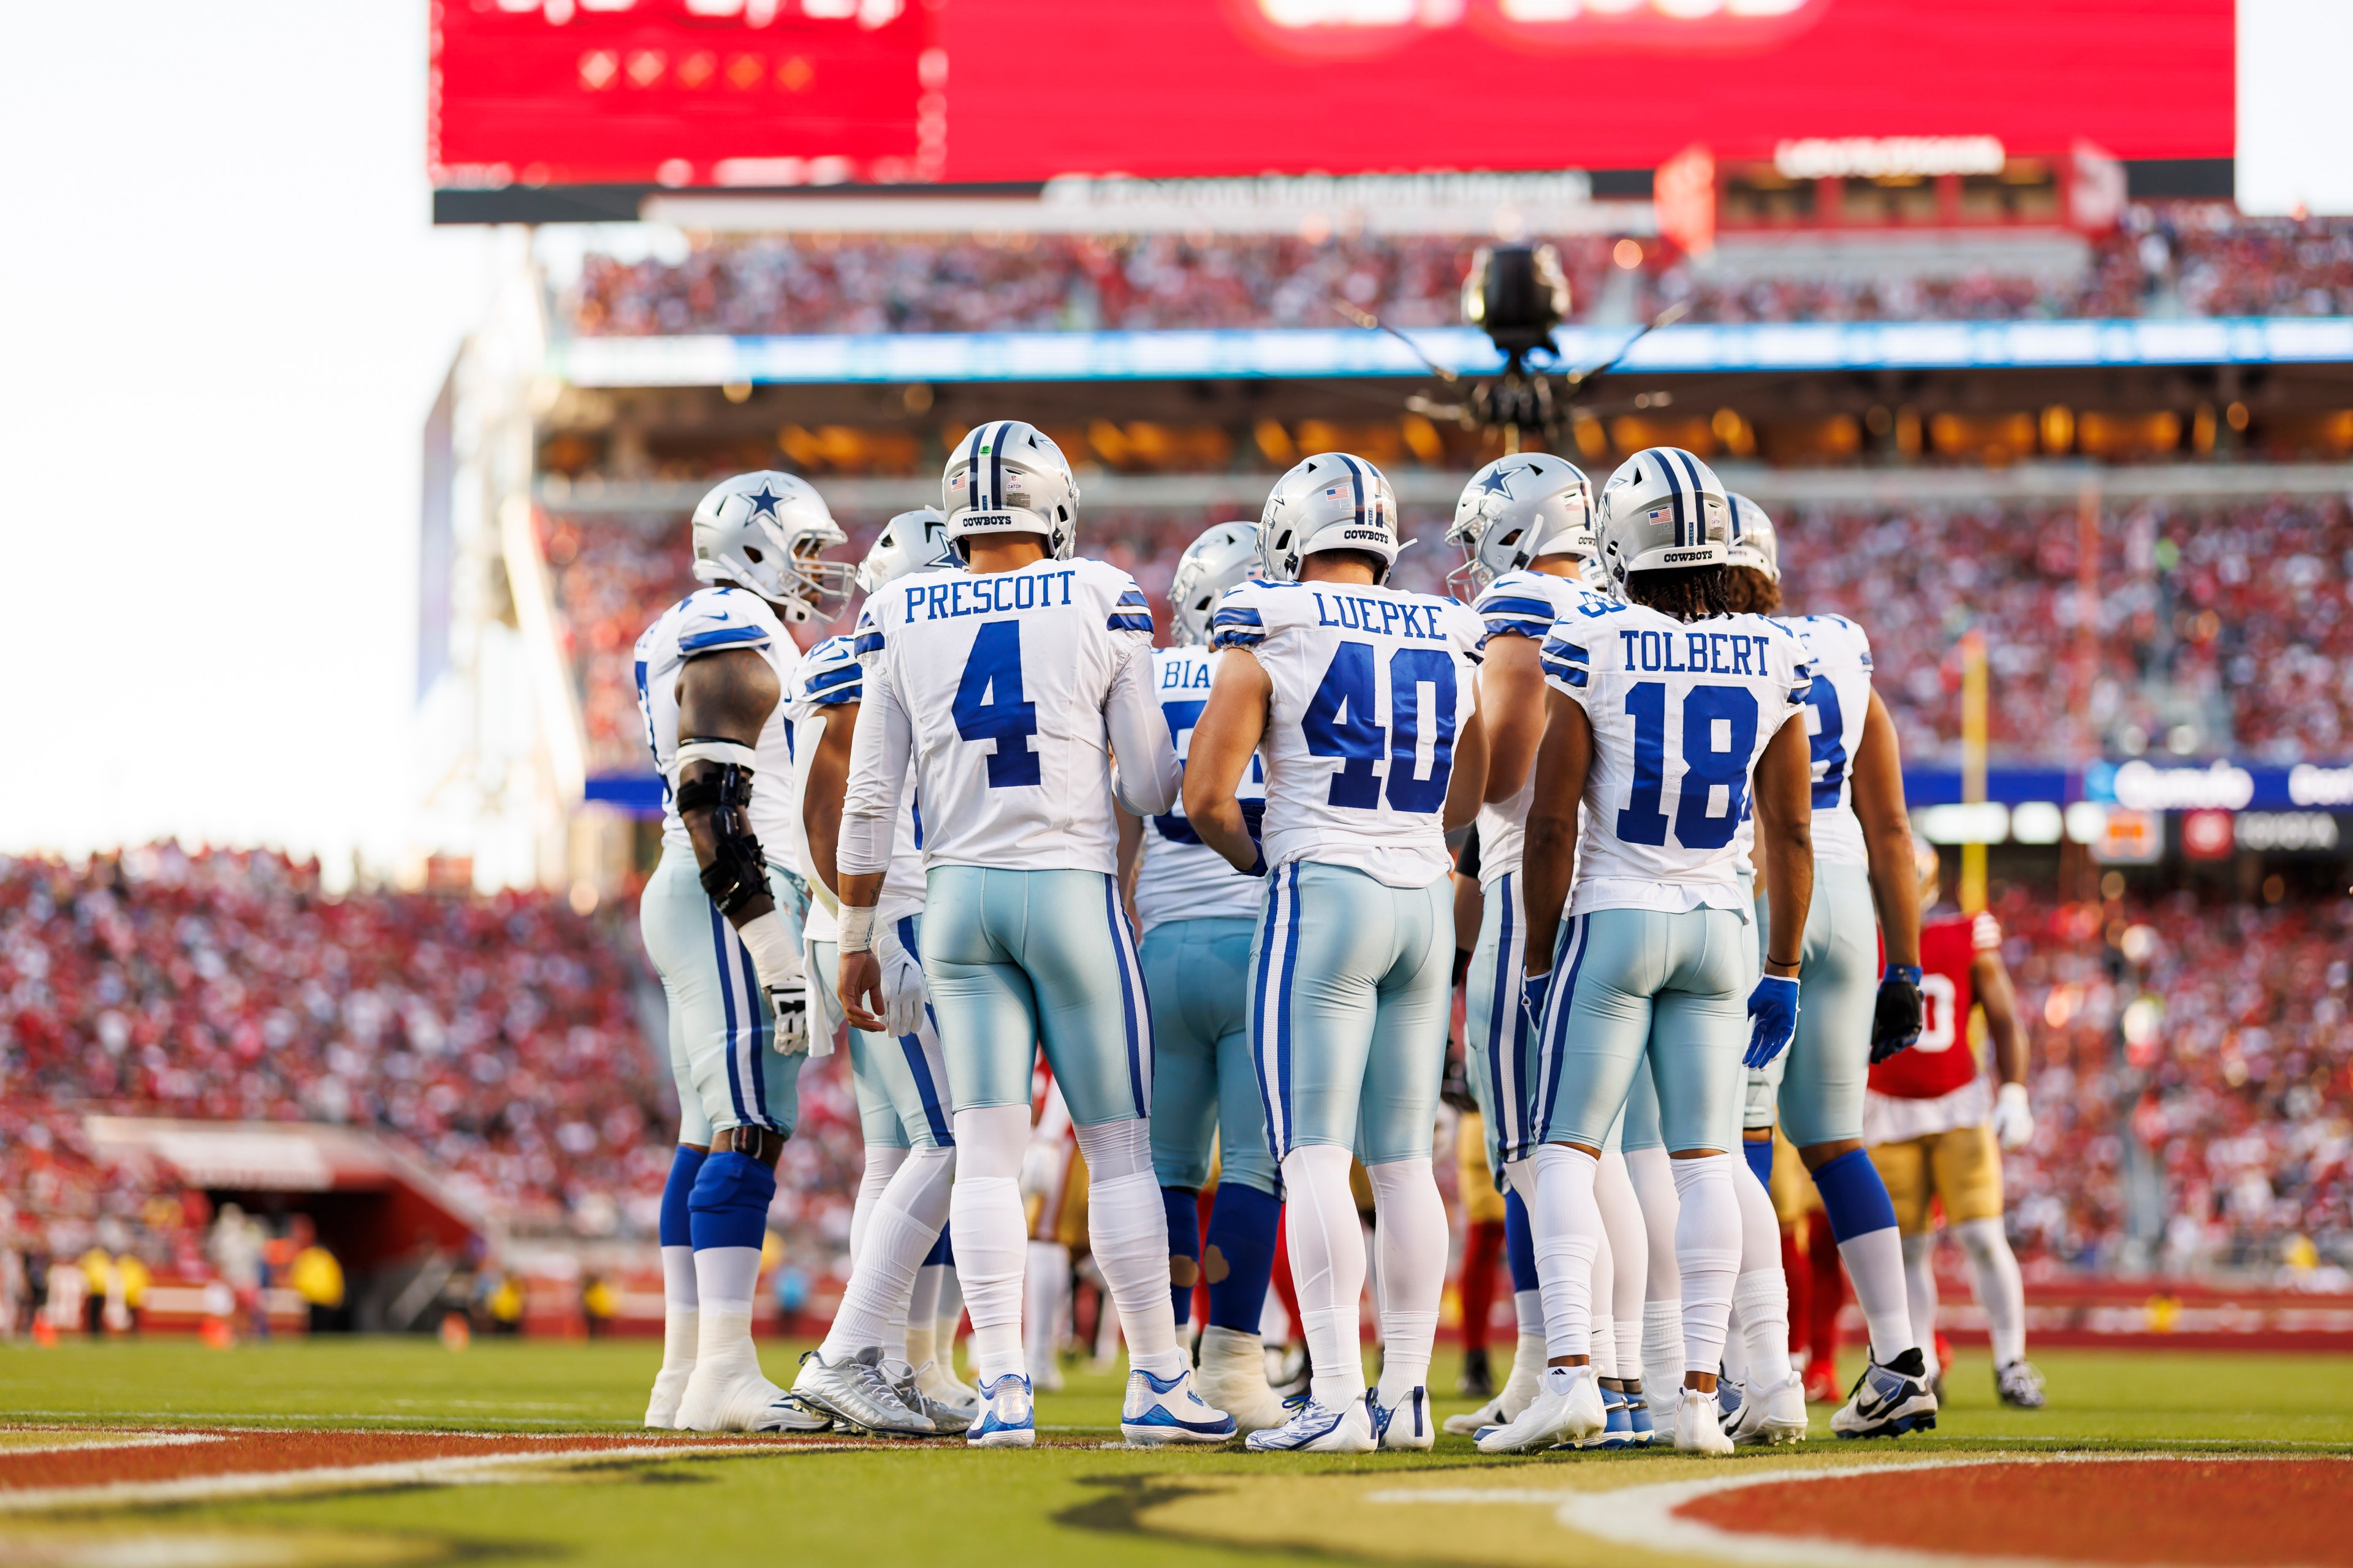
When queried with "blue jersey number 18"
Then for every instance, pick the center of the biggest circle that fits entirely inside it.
(1643, 820)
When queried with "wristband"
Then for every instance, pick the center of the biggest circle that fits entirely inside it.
(1907, 972)
(857, 928)
(1781, 963)
(775, 954)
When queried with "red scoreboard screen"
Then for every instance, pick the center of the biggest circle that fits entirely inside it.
(785, 92)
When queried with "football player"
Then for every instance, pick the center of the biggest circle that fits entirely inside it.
(1361, 701)
(901, 1083)
(1931, 1127)
(1197, 913)
(721, 917)
(1860, 1012)
(1016, 697)
(1524, 524)
(1668, 718)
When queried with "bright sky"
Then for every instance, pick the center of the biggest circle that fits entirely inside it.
(227, 312)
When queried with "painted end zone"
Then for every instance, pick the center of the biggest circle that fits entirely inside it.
(2188, 1511)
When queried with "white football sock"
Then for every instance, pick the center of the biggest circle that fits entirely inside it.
(1875, 1262)
(2001, 1291)
(1651, 1173)
(882, 1162)
(1565, 1224)
(1765, 1339)
(1662, 1346)
(725, 1277)
(1046, 1306)
(1629, 1238)
(1920, 1293)
(951, 1309)
(1412, 1237)
(1602, 1329)
(1707, 1254)
(901, 1231)
(991, 1235)
(922, 1315)
(1128, 1228)
(1327, 1266)
(681, 1319)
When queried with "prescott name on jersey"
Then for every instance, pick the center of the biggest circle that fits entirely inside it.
(712, 620)
(1370, 688)
(1011, 692)
(1681, 713)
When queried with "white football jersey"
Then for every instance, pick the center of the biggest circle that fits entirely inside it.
(1836, 706)
(1681, 713)
(1182, 878)
(1009, 692)
(1371, 686)
(708, 621)
(831, 678)
(1525, 604)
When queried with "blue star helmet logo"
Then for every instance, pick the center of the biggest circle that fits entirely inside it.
(1495, 484)
(763, 502)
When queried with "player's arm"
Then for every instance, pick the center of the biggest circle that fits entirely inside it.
(1511, 706)
(880, 751)
(723, 699)
(1549, 853)
(822, 792)
(2013, 1118)
(1784, 796)
(1144, 773)
(1131, 857)
(1894, 881)
(1225, 737)
(1466, 786)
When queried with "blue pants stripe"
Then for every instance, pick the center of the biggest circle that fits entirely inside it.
(1130, 982)
(755, 1044)
(1504, 1008)
(1282, 1016)
(727, 1001)
(1276, 1129)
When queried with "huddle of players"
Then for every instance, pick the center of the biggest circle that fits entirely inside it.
(968, 783)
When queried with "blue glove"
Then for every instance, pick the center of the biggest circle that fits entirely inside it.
(1254, 820)
(1773, 1018)
(1534, 990)
(1895, 1019)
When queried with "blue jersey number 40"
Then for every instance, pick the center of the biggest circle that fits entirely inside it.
(989, 705)
(1339, 722)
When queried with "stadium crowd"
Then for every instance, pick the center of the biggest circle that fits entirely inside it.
(2235, 621)
(2199, 258)
(498, 1036)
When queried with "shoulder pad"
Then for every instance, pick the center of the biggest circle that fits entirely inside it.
(1130, 610)
(1514, 604)
(716, 618)
(830, 674)
(1246, 614)
(867, 638)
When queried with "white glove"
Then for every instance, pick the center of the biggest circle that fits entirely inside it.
(2013, 1120)
(776, 961)
(903, 996)
(830, 1017)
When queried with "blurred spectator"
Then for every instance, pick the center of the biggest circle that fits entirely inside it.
(2174, 258)
(598, 1305)
(317, 1277)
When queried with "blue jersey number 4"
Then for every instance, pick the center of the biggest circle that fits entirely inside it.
(989, 705)
(1339, 722)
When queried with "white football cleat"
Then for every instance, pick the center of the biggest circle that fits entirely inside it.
(669, 1388)
(1319, 1429)
(1008, 1417)
(1519, 1390)
(1406, 1423)
(725, 1393)
(1233, 1376)
(1699, 1428)
(1567, 1410)
(1160, 1411)
(1888, 1401)
(1775, 1415)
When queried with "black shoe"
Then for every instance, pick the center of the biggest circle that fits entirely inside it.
(1477, 1381)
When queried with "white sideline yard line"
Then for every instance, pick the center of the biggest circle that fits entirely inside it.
(486, 1469)
(1646, 1517)
(584, 1424)
(111, 1442)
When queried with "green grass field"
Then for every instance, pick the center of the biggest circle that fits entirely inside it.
(1080, 1502)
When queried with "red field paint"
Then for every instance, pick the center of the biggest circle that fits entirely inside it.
(2219, 1512)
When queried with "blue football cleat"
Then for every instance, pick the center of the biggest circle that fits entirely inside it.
(1160, 1411)
(1008, 1417)
(1642, 1430)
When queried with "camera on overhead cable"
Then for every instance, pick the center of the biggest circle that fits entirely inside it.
(1516, 294)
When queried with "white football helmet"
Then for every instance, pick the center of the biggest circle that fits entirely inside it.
(1662, 508)
(1219, 560)
(1518, 508)
(1332, 502)
(1006, 477)
(763, 531)
(913, 540)
(1755, 541)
